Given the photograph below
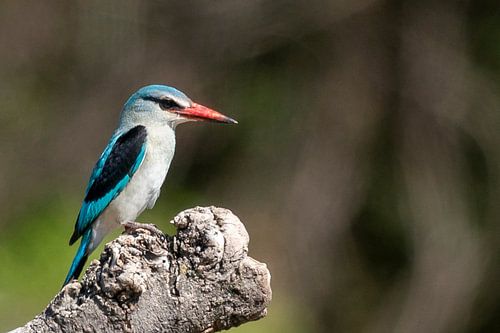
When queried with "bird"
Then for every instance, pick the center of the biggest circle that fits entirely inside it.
(132, 168)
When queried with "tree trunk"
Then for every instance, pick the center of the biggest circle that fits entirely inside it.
(200, 280)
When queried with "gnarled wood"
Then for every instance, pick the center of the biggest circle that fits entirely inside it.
(200, 280)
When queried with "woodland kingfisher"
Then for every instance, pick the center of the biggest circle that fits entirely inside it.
(130, 172)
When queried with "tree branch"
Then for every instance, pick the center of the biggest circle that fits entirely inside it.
(200, 280)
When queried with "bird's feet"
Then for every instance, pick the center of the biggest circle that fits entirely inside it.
(132, 225)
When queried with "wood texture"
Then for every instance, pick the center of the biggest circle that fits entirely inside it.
(200, 280)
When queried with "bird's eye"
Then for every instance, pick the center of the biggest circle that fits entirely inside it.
(168, 104)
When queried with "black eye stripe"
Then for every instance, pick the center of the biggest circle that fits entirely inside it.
(165, 103)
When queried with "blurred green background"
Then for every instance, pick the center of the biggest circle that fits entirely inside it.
(366, 164)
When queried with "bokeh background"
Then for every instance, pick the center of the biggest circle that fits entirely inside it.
(366, 164)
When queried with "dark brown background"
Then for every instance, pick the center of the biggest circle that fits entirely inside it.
(365, 165)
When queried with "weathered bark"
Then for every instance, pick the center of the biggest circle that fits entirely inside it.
(200, 280)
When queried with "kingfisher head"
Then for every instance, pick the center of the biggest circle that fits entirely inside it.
(159, 104)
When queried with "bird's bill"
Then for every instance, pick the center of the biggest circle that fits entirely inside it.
(200, 112)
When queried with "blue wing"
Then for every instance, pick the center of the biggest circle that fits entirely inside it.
(116, 166)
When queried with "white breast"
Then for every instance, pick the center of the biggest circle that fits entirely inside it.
(144, 187)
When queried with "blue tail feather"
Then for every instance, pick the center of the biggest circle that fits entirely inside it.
(80, 257)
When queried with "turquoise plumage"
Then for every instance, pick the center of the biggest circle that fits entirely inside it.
(91, 209)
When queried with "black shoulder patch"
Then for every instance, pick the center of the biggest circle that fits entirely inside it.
(119, 162)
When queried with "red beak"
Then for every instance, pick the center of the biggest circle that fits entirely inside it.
(200, 112)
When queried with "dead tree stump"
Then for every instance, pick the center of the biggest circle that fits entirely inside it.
(200, 280)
